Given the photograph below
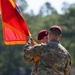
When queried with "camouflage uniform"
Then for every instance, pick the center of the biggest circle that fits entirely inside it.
(54, 58)
(34, 68)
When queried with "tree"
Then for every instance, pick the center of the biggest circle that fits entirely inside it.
(47, 9)
(65, 7)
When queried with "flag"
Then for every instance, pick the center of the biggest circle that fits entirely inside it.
(0, 6)
(15, 29)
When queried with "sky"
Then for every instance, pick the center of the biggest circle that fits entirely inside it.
(36, 4)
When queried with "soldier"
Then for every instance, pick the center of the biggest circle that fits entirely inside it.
(54, 58)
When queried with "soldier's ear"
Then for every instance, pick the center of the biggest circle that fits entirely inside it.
(59, 37)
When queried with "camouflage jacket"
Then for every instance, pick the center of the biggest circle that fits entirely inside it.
(54, 58)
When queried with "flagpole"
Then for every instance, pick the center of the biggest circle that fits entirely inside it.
(1, 16)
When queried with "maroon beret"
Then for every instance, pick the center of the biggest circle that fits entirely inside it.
(42, 34)
(56, 26)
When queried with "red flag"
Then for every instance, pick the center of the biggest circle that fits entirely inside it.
(14, 27)
(0, 6)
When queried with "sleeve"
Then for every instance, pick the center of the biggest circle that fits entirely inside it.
(68, 66)
(27, 57)
(31, 52)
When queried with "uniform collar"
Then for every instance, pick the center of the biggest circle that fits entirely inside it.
(54, 41)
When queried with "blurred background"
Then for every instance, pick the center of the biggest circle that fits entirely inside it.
(39, 15)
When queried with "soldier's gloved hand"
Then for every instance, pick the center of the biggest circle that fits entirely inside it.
(28, 40)
(26, 47)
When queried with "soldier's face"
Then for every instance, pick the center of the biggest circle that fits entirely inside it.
(44, 39)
